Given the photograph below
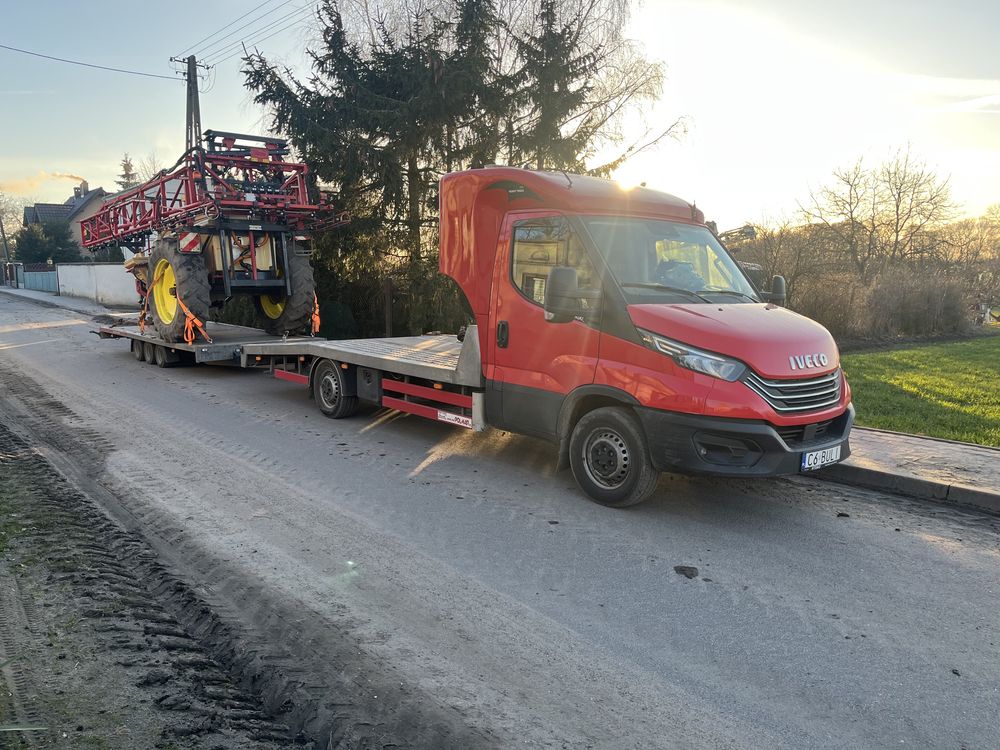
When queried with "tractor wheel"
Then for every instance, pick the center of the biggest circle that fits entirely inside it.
(172, 276)
(292, 313)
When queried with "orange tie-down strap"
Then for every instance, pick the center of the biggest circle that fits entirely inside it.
(191, 321)
(315, 315)
(145, 302)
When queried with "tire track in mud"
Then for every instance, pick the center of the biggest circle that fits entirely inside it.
(116, 585)
(335, 713)
(17, 706)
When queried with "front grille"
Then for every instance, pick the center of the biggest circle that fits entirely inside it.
(804, 433)
(789, 396)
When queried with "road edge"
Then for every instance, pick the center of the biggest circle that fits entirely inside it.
(922, 489)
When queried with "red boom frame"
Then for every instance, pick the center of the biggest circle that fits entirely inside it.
(231, 180)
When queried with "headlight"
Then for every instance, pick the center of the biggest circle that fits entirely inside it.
(695, 359)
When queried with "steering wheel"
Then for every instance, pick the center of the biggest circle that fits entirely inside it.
(680, 274)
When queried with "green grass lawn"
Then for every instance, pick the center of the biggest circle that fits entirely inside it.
(943, 390)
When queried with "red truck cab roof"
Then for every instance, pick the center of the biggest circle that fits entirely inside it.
(474, 202)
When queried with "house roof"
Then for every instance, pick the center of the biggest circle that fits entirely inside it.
(80, 203)
(41, 213)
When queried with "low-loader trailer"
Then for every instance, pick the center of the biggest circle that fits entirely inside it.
(610, 322)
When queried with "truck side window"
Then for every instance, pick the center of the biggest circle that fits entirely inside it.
(539, 246)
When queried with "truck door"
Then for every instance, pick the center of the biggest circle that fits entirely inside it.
(536, 363)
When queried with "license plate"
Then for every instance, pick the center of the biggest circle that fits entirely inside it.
(815, 459)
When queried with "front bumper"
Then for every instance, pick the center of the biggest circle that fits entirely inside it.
(697, 444)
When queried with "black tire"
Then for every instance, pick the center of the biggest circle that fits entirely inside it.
(137, 349)
(190, 285)
(296, 309)
(149, 352)
(328, 390)
(609, 457)
(165, 357)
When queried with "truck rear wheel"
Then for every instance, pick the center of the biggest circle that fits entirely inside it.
(609, 456)
(174, 276)
(329, 391)
(290, 313)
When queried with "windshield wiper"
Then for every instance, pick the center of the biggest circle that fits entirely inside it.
(663, 288)
(728, 291)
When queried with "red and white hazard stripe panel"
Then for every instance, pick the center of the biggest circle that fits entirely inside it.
(190, 242)
(426, 410)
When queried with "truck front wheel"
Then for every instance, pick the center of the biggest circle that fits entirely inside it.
(609, 456)
(329, 386)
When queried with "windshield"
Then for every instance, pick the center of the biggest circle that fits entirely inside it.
(653, 258)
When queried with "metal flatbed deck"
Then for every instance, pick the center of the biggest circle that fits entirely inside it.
(441, 358)
(227, 340)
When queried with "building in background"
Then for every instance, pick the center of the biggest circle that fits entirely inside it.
(83, 203)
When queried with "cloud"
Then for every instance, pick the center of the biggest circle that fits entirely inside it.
(30, 184)
(979, 105)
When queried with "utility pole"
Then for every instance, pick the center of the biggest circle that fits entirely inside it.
(3, 236)
(193, 137)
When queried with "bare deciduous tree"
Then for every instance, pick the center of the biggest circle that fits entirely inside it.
(149, 166)
(881, 216)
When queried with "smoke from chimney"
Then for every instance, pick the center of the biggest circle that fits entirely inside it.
(30, 184)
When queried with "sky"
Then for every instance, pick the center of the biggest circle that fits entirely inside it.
(774, 94)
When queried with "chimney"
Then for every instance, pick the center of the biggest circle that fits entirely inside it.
(78, 192)
(84, 188)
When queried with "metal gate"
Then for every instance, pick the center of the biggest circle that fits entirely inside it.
(38, 276)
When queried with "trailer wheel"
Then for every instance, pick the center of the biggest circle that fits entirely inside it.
(137, 349)
(328, 390)
(175, 275)
(292, 313)
(609, 457)
(165, 357)
(149, 352)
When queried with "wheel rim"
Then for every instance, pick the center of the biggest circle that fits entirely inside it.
(606, 458)
(165, 290)
(272, 308)
(329, 390)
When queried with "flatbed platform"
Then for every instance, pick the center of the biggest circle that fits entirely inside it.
(441, 358)
(227, 340)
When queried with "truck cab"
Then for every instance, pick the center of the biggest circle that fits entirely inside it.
(613, 323)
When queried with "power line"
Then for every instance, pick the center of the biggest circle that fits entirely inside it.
(252, 10)
(87, 65)
(224, 40)
(227, 53)
(227, 50)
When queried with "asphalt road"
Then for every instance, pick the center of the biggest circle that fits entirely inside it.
(462, 591)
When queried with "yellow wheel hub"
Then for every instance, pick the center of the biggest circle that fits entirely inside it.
(165, 290)
(272, 307)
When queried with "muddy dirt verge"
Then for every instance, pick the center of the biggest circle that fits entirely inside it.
(92, 652)
(184, 651)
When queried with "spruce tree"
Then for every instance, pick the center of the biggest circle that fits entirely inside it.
(128, 178)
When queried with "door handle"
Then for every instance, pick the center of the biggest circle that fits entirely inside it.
(503, 334)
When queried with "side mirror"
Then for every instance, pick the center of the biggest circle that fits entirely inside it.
(563, 296)
(777, 295)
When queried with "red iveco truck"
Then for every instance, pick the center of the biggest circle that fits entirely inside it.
(610, 322)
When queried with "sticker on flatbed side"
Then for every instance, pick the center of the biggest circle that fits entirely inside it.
(447, 416)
